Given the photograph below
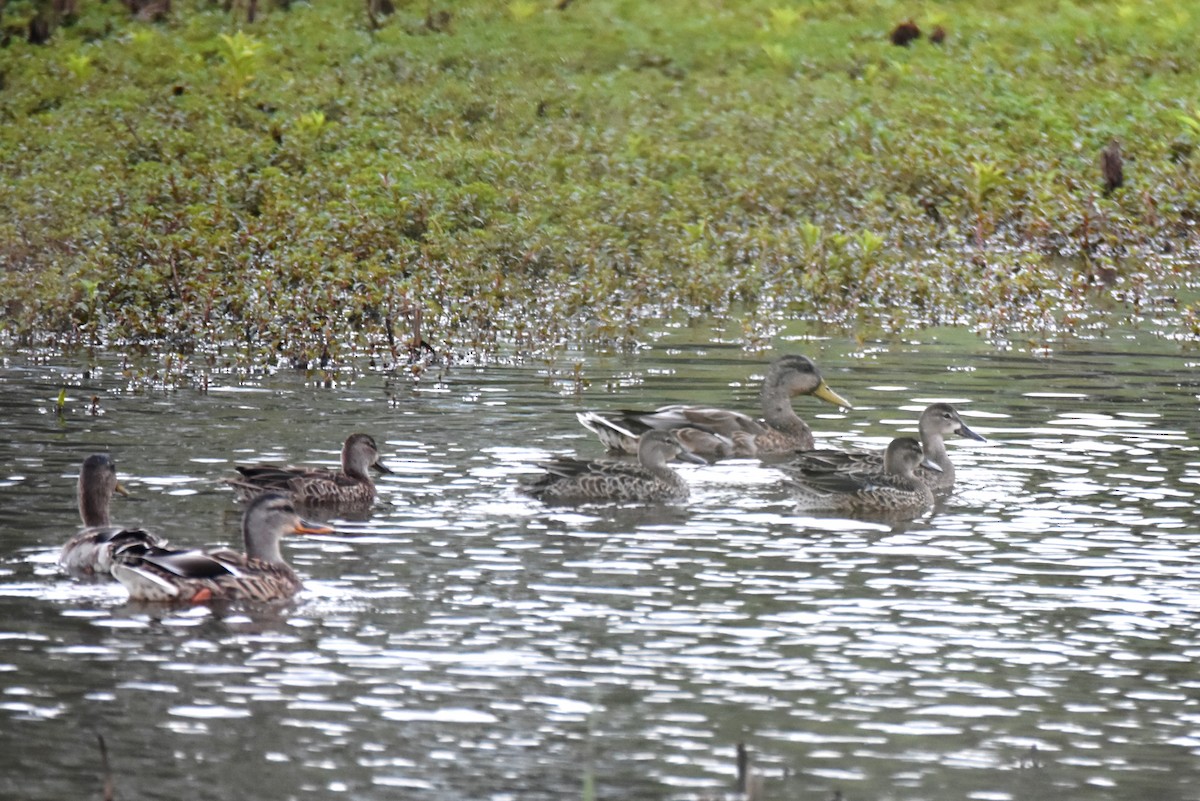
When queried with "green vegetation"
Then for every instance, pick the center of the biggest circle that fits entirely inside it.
(333, 180)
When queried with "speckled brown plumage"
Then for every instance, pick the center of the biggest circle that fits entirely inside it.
(570, 480)
(937, 421)
(721, 433)
(894, 490)
(317, 486)
(92, 550)
(195, 576)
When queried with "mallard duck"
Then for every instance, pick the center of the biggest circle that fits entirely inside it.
(91, 551)
(315, 485)
(720, 433)
(577, 481)
(196, 576)
(937, 421)
(895, 489)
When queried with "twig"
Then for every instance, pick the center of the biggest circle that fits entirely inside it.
(106, 769)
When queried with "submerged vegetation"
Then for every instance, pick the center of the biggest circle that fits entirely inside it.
(313, 183)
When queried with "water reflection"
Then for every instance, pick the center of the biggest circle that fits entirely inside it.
(1033, 635)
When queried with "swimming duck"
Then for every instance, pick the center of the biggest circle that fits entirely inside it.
(92, 550)
(314, 485)
(577, 481)
(197, 576)
(895, 489)
(937, 421)
(720, 433)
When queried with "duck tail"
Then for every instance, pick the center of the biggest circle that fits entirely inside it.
(613, 435)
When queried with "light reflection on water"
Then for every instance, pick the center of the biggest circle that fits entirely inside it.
(1034, 635)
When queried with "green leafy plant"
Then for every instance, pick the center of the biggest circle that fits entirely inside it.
(521, 10)
(869, 244)
(545, 176)
(81, 66)
(778, 55)
(311, 123)
(783, 19)
(240, 53)
(810, 235)
(1190, 121)
(986, 178)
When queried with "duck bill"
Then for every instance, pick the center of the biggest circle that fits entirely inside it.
(829, 396)
(931, 465)
(307, 527)
(121, 490)
(963, 431)
(380, 467)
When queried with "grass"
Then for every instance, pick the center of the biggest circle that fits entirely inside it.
(321, 185)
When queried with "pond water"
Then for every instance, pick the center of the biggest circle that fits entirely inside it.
(1036, 635)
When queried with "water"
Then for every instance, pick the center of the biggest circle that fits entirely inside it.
(1037, 635)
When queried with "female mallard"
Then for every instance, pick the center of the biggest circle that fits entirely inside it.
(314, 485)
(196, 576)
(91, 552)
(719, 433)
(577, 481)
(895, 489)
(937, 421)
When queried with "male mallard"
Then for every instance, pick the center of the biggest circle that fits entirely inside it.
(895, 489)
(578, 481)
(314, 485)
(92, 551)
(196, 576)
(937, 421)
(719, 433)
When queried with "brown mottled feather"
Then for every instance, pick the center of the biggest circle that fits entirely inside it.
(92, 550)
(570, 480)
(317, 486)
(195, 576)
(721, 433)
(937, 421)
(895, 490)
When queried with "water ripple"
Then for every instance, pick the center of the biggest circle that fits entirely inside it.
(1030, 635)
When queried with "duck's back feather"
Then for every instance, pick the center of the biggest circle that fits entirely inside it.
(575, 480)
(94, 550)
(198, 576)
(305, 485)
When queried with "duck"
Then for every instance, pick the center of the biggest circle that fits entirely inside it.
(92, 551)
(570, 480)
(719, 433)
(198, 576)
(938, 421)
(315, 485)
(894, 490)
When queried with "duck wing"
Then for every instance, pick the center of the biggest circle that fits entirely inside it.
(93, 550)
(565, 470)
(270, 476)
(712, 433)
(826, 460)
(304, 484)
(713, 420)
(190, 564)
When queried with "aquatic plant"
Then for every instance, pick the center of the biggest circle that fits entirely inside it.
(325, 185)
(240, 53)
